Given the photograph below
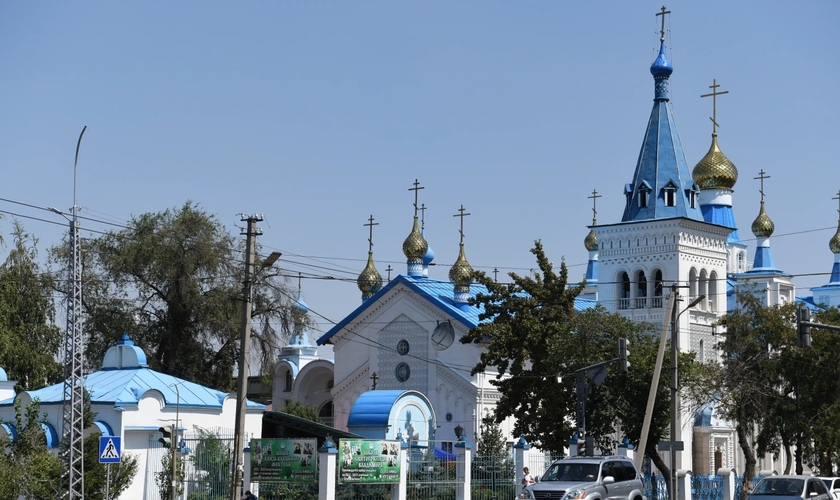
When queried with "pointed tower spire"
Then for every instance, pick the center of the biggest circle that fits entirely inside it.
(369, 281)
(461, 272)
(299, 317)
(662, 187)
(591, 243)
(415, 245)
(430, 254)
(762, 228)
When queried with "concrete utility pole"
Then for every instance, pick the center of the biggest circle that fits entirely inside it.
(251, 234)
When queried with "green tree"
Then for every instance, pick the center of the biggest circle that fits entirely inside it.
(163, 479)
(29, 339)
(96, 474)
(32, 470)
(303, 410)
(212, 459)
(173, 281)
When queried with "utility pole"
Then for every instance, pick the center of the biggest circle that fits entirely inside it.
(72, 424)
(251, 234)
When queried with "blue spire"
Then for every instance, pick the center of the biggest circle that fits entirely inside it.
(662, 186)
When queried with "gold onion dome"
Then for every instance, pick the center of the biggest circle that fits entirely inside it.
(369, 281)
(715, 171)
(461, 272)
(591, 241)
(762, 226)
(834, 243)
(415, 246)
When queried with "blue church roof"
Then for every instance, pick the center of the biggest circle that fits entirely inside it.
(722, 216)
(373, 408)
(661, 166)
(440, 294)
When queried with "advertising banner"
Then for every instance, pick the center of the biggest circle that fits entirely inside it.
(284, 460)
(368, 461)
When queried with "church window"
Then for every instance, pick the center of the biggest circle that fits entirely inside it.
(711, 297)
(641, 290)
(742, 265)
(670, 198)
(624, 291)
(657, 289)
(703, 288)
(701, 352)
(402, 372)
(402, 347)
(692, 283)
(288, 382)
(643, 199)
(325, 414)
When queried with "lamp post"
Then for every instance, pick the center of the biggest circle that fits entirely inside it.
(675, 341)
(244, 357)
(459, 431)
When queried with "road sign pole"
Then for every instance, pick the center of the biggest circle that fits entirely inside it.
(107, 481)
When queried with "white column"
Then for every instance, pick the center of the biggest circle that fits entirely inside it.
(519, 450)
(684, 484)
(327, 456)
(463, 453)
(400, 491)
(728, 483)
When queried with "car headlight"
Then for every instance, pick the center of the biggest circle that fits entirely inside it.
(526, 493)
(575, 494)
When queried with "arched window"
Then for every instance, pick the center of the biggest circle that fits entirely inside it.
(742, 262)
(703, 289)
(701, 352)
(692, 282)
(623, 291)
(711, 296)
(641, 290)
(288, 385)
(325, 413)
(657, 289)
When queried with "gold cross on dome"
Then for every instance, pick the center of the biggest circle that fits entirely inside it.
(762, 176)
(462, 213)
(417, 187)
(594, 197)
(662, 31)
(370, 237)
(714, 86)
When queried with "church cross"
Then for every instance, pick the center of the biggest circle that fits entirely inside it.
(495, 275)
(714, 86)
(594, 199)
(370, 237)
(838, 200)
(461, 214)
(417, 187)
(761, 176)
(389, 269)
(374, 377)
(423, 216)
(300, 275)
(662, 31)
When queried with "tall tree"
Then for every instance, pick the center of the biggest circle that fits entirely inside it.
(173, 281)
(29, 338)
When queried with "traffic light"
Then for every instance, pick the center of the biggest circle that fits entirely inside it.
(581, 447)
(166, 440)
(623, 354)
(803, 330)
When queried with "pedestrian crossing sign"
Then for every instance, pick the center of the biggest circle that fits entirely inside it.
(110, 449)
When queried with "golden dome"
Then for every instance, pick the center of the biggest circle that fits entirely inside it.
(415, 246)
(591, 241)
(762, 226)
(715, 171)
(834, 243)
(369, 281)
(461, 272)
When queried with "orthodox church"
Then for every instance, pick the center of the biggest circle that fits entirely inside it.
(678, 227)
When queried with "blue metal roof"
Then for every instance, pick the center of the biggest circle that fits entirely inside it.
(722, 215)
(373, 408)
(661, 165)
(438, 293)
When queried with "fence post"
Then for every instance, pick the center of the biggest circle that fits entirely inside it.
(327, 456)
(246, 471)
(519, 450)
(400, 491)
(728, 480)
(684, 484)
(463, 468)
(626, 449)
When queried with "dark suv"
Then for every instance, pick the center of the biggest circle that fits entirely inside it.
(588, 478)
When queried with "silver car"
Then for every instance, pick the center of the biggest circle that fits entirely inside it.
(588, 478)
(791, 488)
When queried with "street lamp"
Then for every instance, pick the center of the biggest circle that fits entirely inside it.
(244, 358)
(459, 431)
(675, 340)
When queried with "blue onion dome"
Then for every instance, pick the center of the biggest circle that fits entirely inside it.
(300, 305)
(591, 241)
(661, 66)
(834, 244)
(369, 281)
(715, 171)
(430, 254)
(415, 245)
(461, 272)
(762, 226)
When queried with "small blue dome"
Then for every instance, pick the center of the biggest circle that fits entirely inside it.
(3, 376)
(430, 254)
(661, 66)
(300, 305)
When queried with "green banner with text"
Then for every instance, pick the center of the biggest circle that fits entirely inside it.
(284, 461)
(368, 461)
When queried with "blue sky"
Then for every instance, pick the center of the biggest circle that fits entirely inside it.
(319, 114)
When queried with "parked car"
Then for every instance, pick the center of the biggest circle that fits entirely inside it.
(833, 485)
(588, 478)
(792, 488)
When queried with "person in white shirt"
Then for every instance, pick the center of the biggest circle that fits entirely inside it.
(527, 478)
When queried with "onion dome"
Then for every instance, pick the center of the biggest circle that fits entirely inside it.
(762, 226)
(415, 245)
(715, 171)
(300, 305)
(461, 272)
(661, 66)
(369, 281)
(834, 243)
(591, 241)
(429, 256)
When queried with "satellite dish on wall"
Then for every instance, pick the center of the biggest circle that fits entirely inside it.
(443, 336)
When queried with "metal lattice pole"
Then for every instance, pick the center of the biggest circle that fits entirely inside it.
(73, 478)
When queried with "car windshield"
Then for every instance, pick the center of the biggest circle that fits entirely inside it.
(827, 483)
(780, 486)
(571, 472)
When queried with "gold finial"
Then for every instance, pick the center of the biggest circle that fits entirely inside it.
(762, 176)
(369, 280)
(461, 272)
(594, 197)
(714, 86)
(417, 187)
(662, 31)
(461, 213)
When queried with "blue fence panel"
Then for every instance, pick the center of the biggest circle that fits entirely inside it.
(706, 488)
(655, 487)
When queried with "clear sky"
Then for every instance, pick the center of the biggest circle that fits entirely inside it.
(319, 114)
